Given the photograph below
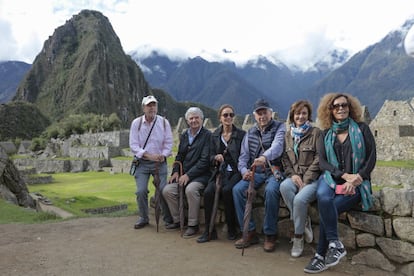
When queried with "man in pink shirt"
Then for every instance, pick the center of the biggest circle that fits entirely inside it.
(151, 141)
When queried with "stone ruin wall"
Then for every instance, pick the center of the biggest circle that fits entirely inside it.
(393, 129)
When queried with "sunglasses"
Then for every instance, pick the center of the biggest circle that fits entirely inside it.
(225, 115)
(337, 106)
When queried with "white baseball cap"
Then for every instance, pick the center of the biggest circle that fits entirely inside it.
(149, 99)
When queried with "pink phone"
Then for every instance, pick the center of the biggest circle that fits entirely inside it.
(339, 190)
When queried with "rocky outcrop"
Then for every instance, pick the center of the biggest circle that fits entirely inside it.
(12, 186)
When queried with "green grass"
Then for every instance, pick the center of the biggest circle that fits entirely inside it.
(11, 213)
(408, 164)
(90, 190)
(76, 191)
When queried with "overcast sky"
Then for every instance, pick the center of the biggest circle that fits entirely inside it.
(299, 31)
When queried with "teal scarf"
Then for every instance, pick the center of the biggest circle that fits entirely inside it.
(358, 157)
(297, 134)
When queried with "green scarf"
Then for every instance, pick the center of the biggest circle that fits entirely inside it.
(358, 157)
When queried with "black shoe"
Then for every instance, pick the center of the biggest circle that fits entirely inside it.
(140, 224)
(166, 223)
(204, 238)
(172, 226)
(231, 236)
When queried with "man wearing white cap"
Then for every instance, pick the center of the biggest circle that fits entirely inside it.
(151, 141)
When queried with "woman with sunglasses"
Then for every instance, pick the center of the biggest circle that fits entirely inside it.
(301, 165)
(224, 154)
(347, 156)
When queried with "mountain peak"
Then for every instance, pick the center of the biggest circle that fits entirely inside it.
(82, 68)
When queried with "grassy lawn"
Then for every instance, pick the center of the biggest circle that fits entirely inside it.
(76, 191)
(409, 164)
(11, 213)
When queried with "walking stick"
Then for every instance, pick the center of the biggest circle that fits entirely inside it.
(219, 176)
(180, 198)
(157, 196)
(251, 193)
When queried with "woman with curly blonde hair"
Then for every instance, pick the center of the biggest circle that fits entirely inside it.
(347, 156)
(325, 115)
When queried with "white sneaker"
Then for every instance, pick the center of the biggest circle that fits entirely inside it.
(297, 247)
(308, 231)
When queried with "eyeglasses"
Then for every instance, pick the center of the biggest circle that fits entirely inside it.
(337, 106)
(225, 115)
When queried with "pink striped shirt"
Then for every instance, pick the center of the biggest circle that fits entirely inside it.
(159, 142)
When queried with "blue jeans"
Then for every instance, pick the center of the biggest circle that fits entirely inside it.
(142, 174)
(272, 198)
(297, 201)
(330, 205)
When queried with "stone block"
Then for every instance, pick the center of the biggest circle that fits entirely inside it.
(396, 250)
(346, 235)
(373, 258)
(365, 240)
(366, 222)
(398, 202)
(404, 228)
(388, 227)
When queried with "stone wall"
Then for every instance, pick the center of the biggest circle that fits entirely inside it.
(108, 138)
(98, 152)
(391, 177)
(382, 238)
(393, 129)
(8, 147)
(61, 166)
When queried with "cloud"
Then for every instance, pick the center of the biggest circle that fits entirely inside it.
(7, 50)
(299, 30)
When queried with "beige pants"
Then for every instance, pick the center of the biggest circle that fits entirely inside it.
(193, 196)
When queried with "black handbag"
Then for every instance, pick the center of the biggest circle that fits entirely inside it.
(134, 165)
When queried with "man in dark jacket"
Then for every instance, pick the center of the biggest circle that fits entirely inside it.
(193, 154)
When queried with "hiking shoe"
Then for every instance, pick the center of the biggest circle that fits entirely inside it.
(269, 244)
(308, 231)
(316, 265)
(191, 232)
(172, 226)
(335, 253)
(297, 247)
(206, 237)
(141, 223)
(252, 238)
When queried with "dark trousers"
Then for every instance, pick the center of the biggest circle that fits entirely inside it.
(330, 207)
(228, 180)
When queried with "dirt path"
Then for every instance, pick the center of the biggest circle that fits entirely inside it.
(110, 246)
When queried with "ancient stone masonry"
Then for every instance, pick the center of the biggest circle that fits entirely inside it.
(393, 128)
(382, 238)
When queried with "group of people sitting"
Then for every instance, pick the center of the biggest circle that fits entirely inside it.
(296, 161)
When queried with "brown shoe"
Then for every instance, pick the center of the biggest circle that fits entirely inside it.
(269, 243)
(252, 238)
